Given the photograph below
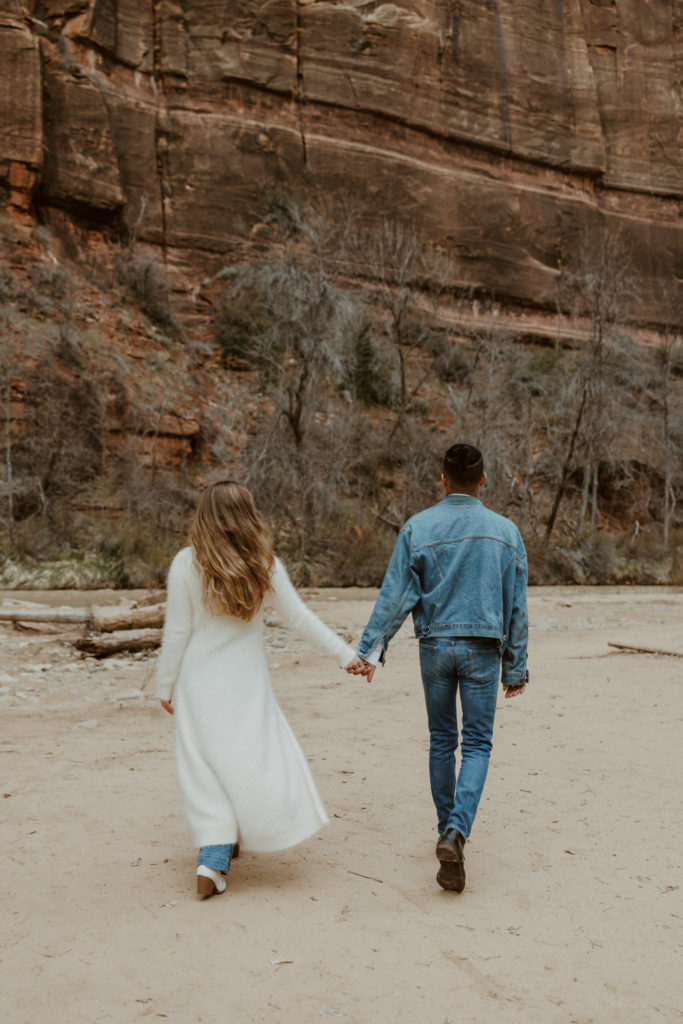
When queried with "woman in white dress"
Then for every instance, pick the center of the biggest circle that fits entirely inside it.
(243, 777)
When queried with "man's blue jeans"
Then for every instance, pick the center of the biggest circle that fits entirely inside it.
(470, 665)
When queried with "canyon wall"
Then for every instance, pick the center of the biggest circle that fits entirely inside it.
(501, 127)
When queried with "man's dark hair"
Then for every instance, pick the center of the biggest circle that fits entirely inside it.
(463, 465)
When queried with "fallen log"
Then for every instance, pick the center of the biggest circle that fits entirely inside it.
(645, 650)
(130, 640)
(105, 620)
(157, 597)
(130, 618)
(45, 614)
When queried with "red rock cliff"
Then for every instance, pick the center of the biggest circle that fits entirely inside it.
(500, 126)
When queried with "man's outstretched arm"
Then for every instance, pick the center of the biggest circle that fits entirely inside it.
(399, 593)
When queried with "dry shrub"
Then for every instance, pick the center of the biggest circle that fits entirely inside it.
(360, 555)
(63, 447)
(153, 523)
(148, 285)
(550, 564)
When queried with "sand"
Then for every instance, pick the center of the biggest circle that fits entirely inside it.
(572, 911)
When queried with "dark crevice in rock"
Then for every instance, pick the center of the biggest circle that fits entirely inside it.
(453, 16)
(299, 94)
(507, 132)
(186, 37)
(160, 134)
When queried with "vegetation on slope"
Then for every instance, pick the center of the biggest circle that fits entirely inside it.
(334, 369)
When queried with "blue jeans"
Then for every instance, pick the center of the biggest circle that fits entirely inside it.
(216, 857)
(472, 666)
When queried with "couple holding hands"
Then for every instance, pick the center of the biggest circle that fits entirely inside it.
(457, 566)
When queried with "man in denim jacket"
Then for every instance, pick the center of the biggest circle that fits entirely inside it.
(461, 570)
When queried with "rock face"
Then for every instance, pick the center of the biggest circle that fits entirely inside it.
(501, 127)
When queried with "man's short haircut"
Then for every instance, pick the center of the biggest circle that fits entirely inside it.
(463, 465)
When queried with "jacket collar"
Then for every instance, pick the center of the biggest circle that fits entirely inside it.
(462, 499)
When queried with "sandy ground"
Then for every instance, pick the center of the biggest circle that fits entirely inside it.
(572, 911)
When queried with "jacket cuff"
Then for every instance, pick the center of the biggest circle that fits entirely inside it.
(376, 655)
(368, 647)
(515, 678)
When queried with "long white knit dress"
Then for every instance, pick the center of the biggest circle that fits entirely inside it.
(241, 772)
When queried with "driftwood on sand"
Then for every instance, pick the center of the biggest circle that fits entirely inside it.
(96, 619)
(645, 650)
(134, 618)
(45, 614)
(124, 640)
(109, 630)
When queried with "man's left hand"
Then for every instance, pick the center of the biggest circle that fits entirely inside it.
(514, 691)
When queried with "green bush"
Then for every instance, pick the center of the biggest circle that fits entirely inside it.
(239, 325)
(369, 378)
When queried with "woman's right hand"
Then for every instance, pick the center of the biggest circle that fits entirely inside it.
(167, 706)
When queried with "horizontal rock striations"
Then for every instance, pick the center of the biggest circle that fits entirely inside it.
(501, 127)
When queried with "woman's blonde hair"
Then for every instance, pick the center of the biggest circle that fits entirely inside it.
(232, 550)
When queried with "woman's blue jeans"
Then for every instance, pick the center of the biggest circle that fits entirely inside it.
(470, 665)
(216, 857)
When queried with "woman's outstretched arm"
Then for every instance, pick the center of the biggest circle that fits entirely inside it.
(301, 620)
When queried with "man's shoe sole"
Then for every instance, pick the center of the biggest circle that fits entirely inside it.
(451, 874)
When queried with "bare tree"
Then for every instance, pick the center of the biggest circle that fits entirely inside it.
(408, 281)
(407, 287)
(290, 320)
(502, 405)
(669, 366)
(596, 284)
(669, 353)
(6, 373)
(64, 445)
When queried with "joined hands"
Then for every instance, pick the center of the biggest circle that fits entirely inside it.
(360, 667)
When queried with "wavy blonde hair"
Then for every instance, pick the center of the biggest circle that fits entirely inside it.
(232, 550)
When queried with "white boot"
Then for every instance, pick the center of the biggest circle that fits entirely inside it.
(209, 881)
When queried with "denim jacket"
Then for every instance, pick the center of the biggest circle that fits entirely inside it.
(461, 569)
